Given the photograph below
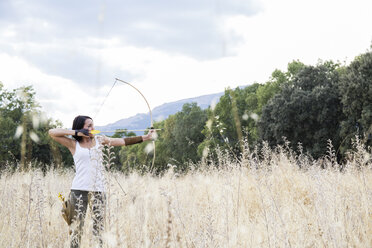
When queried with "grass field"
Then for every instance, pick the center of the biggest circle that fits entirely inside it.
(266, 202)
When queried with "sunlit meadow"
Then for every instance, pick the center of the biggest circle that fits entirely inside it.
(271, 198)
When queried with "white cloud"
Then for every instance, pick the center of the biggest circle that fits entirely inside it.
(59, 97)
(246, 46)
(305, 30)
(282, 32)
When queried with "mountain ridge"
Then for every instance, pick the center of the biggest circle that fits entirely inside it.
(159, 113)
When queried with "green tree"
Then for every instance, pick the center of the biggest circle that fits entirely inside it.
(16, 108)
(183, 134)
(23, 130)
(231, 120)
(356, 95)
(176, 144)
(118, 156)
(165, 144)
(278, 79)
(307, 110)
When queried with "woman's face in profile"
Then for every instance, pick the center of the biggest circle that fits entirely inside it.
(88, 124)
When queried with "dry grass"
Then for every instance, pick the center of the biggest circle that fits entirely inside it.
(268, 202)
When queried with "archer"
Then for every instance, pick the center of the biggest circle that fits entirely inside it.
(88, 184)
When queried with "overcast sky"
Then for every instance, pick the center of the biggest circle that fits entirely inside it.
(71, 51)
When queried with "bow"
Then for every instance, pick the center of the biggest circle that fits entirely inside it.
(148, 105)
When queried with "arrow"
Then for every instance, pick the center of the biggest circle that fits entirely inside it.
(124, 130)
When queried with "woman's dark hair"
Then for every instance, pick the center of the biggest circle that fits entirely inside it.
(78, 123)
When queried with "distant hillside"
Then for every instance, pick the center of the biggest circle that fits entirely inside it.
(141, 121)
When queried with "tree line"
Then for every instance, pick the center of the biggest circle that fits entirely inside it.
(309, 107)
(24, 133)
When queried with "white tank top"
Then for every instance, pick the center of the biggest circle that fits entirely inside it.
(89, 168)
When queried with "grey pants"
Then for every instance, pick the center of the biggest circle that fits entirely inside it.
(79, 201)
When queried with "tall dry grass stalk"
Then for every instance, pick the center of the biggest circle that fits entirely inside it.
(265, 202)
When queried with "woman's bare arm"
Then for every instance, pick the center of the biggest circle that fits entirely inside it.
(59, 135)
(122, 141)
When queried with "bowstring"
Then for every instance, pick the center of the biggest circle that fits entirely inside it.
(151, 120)
(104, 100)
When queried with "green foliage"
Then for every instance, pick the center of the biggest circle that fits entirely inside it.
(118, 158)
(182, 136)
(20, 111)
(230, 120)
(356, 94)
(134, 157)
(293, 69)
(176, 144)
(278, 79)
(236, 114)
(307, 110)
(13, 106)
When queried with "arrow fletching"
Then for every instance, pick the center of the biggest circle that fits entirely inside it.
(95, 131)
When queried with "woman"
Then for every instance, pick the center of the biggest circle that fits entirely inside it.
(88, 183)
